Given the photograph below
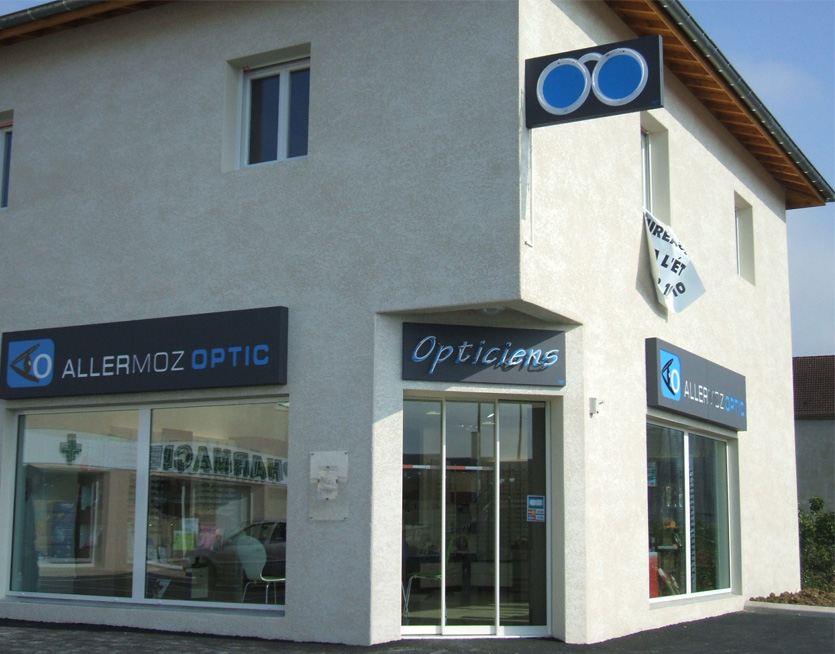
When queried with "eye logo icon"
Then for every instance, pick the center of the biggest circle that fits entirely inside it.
(618, 77)
(30, 363)
(670, 376)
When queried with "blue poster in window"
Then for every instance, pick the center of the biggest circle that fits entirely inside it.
(536, 508)
(62, 530)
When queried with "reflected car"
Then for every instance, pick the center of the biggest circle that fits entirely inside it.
(226, 577)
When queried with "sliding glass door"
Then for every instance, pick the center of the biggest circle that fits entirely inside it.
(474, 516)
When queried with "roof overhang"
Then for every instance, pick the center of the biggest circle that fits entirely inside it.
(693, 58)
(52, 17)
(689, 54)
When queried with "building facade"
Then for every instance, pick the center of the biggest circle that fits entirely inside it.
(814, 427)
(301, 319)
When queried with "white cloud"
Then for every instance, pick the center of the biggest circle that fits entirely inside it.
(781, 85)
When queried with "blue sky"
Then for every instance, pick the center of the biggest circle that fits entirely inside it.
(785, 50)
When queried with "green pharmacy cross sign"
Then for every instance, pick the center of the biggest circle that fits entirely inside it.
(70, 449)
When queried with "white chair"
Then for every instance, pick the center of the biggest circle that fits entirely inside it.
(253, 558)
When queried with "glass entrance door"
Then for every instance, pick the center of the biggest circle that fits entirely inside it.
(474, 530)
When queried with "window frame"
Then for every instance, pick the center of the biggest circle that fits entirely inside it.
(283, 71)
(688, 593)
(646, 169)
(655, 169)
(5, 161)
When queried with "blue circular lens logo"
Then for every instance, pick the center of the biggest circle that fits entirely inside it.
(619, 77)
(563, 86)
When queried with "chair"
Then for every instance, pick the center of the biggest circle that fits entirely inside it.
(407, 592)
(253, 558)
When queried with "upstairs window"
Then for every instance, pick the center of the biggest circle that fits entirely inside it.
(5, 161)
(744, 219)
(646, 169)
(276, 112)
(655, 169)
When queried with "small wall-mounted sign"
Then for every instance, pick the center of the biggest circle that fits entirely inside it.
(593, 82)
(685, 383)
(327, 494)
(485, 355)
(211, 350)
(536, 508)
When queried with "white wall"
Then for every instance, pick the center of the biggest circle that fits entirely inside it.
(588, 261)
(123, 206)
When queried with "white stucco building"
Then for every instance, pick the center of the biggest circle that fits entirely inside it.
(303, 268)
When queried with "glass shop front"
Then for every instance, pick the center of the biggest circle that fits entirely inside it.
(171, 503)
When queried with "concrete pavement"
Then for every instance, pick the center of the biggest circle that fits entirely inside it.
(748, 632)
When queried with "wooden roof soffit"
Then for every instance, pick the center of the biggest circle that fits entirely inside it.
(58, 16)
(713, 81)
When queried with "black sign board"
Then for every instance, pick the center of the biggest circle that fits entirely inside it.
(680, 381)
(212, 350)
(485, 355)
(600, 81)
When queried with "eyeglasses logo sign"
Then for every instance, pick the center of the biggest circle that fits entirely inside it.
(31, 363)
(618, 77)
(670, 375)
(603, 80)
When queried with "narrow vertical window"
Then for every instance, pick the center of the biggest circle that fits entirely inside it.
(646, 169)
(655, 169)
(744, 223)
(5, 162)
(276, 110)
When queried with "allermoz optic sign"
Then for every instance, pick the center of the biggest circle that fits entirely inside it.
(680, 381)
(213, 350)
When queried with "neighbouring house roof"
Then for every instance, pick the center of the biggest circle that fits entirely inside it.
(689, 54)
(814, 386)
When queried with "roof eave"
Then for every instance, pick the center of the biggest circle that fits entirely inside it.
(60, 15)
(693, 57)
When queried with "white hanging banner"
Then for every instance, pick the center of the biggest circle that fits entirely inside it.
(677, 283)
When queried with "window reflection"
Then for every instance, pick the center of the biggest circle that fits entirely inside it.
(687, 489)
(218, 503)
(76, 483)
(453, 573)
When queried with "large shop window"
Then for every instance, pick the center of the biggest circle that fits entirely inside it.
(185, 504)
(687, 484)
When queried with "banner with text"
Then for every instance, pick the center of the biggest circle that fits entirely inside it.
(677, 283)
